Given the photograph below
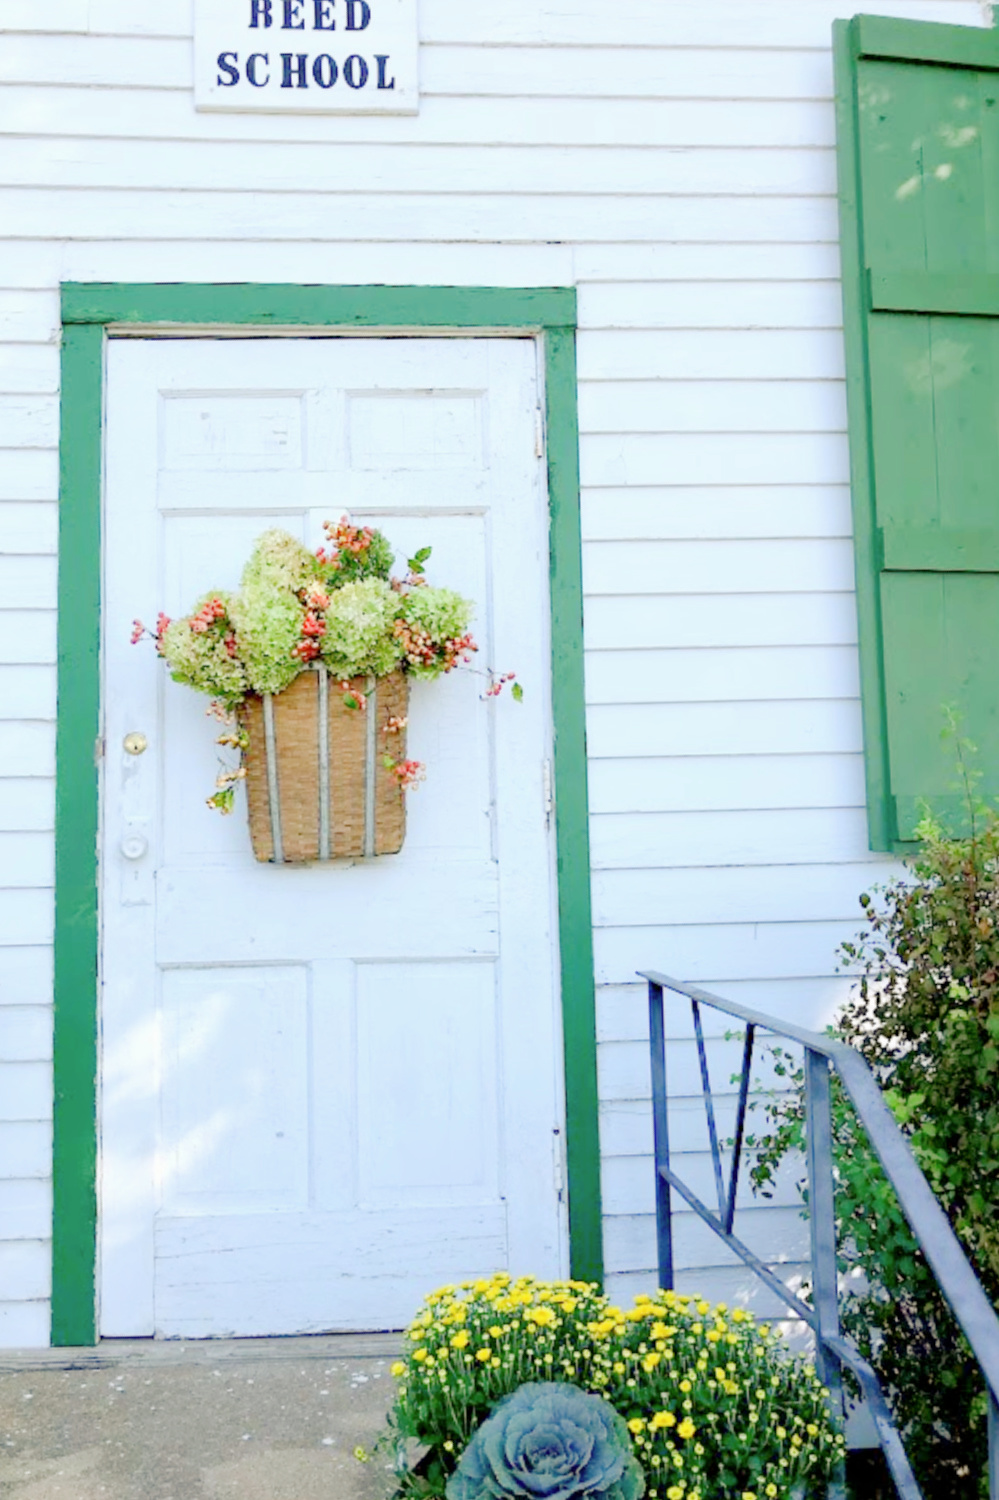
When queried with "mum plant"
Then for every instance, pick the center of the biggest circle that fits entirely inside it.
(339, 607)
(713, 1403)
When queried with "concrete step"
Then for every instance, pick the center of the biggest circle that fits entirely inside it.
(257, 1419)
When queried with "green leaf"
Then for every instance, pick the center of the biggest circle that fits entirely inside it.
(518, 693)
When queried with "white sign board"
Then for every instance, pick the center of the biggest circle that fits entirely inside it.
(316, 56)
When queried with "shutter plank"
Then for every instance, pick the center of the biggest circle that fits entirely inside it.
(940, 633)
(959, 294)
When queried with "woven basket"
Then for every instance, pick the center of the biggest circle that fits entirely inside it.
(316, 796)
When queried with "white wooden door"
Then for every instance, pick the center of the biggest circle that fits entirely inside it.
(325, 1089)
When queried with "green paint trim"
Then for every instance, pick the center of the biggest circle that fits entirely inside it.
(926, 41)
(76, 930)
(955, 295)
(880, 812)
(939, 549)
(284, 306)
(87, 312)
(572, 810)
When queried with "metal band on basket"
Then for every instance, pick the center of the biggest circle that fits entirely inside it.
(370, 756)
(273, 794)
(325, 795)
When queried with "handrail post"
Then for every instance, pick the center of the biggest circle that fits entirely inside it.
(660, 1126)
(822, 1229)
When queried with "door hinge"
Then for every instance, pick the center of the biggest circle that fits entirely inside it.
(539, 433)
(547, 792)
(558, 1163)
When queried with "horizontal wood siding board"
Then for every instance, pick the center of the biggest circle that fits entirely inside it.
(282, 305)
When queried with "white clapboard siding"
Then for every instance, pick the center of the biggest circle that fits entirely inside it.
(687, 730)
(27, 636)
(733, 304)
(716, 782)
(615, 621)
(711, 674)
(27, 804)
(26, 976)
(28, 583)
(719, 567)
(683, 179)
(25, 1036)
(27, 692)
(715, 512)
(25, 1207)
(29, 530)
(220, 214)
(765, 406)
(26, 859)
(549, 23)
(27, 748)
(24, 1325)
(25, 1270)
(711, 354)
(809, 836)
(26, 917)
(26, 1151)
(25, 1090)
(453, 170)
(29, 474)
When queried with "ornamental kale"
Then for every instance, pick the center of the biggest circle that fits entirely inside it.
(549, 1441)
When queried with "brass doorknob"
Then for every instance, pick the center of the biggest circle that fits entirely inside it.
(135, 743)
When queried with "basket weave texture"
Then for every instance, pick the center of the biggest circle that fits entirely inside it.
(296, 714)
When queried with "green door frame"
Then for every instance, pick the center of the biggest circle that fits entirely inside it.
(90, 312)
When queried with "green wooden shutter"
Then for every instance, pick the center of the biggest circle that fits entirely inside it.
(918, 111)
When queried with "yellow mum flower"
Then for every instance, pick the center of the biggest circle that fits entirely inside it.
(685, 1386)
(419, 1355)
(483, 1355)
(650, 1361)
(771, 1490)
(675, 1492)
(459, 1339)
(398, 1368)
(636, 1425)
(663, 1419)
(703, 1307)
(739, 1315)
(686, 1428)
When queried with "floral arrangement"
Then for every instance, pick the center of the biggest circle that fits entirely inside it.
(294, 607)
(713, 1404)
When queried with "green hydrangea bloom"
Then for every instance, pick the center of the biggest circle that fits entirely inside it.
(200, 660)
(279, 561)
(442, 613)
(359, 636)
(268, 622)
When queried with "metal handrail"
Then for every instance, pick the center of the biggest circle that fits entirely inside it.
(927, 1220)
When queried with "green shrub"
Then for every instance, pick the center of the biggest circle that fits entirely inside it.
(925, 1014)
